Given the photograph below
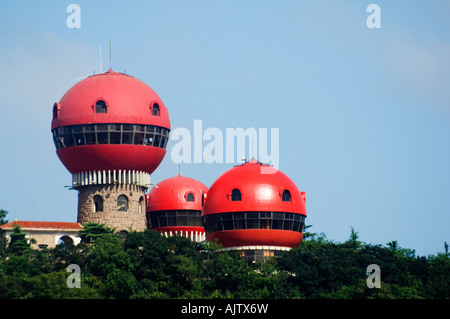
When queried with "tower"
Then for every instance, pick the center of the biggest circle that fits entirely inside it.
(255, 209)
(110, 131)
(174, 208)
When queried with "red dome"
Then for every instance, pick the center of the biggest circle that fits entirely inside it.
(174, 207)
(261, 188)
(172, 194)
(110, 121)
(254, 205)
(128, 100)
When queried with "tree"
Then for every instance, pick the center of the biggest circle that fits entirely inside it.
(3, 240)
(307, 234)
(353, 239)
(3, 214)
(438, 281)
(18, 245)
(92, 231)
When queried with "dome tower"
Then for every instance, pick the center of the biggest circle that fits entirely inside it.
(174, 208)
(255, 209)
(110, 131)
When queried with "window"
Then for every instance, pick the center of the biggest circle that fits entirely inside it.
(56, 108)
(92, 134)
(190, 197)
(254, 220)
(286, 197)
(122, 234)
(170, 218)
(65, 240)
(98, 203)
(155, 109)
(100, 107)
(141, 205)
(122, 203)
(236, 195)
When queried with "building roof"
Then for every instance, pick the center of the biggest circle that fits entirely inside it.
(32, 225)
(172, 194)
(261, 187)
(128, 100)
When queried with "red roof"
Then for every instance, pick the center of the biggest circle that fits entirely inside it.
(171, 194)
(128, 100)
(43, 225)
(261, 187)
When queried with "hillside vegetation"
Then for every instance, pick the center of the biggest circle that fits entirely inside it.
(148, 265)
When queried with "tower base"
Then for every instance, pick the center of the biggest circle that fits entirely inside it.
(120, 206)
(252, 254)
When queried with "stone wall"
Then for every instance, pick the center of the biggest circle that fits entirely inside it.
(47, 238)
(133, 219)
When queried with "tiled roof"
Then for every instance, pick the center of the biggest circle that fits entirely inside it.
(43, 225)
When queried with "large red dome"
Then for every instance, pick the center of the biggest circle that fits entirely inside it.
(254, 207)
(261, 187)
(128, 100)
(110, 121)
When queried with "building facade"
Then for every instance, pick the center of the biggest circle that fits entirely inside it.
(46, 234)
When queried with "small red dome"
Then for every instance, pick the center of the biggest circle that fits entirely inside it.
(261, 187)
(174, 207)
(173, 194)
(110, 121)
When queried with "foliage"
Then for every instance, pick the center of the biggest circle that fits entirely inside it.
(91, 231)
(148, 265)
(3, 214)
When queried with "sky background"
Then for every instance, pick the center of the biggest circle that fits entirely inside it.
(363, 114)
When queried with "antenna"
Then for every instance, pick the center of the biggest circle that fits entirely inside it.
(179, 169)
(253, 148)
(110, 55)
(101, 61)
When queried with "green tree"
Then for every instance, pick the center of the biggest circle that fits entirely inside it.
(3, 240)
(18, 244)
(3, 214)
(353, 241)
(92, 231)
(438, 281)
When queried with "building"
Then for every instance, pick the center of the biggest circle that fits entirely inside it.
(46, 234)
(255, 209)
(174, 208)
(110, 131)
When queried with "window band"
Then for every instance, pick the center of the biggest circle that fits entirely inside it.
(95, 134)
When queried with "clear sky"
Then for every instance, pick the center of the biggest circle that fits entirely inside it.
(363, 113)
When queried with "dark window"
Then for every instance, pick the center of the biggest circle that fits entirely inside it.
(65, 240)
(98, 203)
(155, 109)
(100, 107)
(254, 220)
(122, 234)
(190, 197)
(91, 134)
(141, 205)
(174, 218)
(55, 110)
(236, 195)
(286, 196)
(122, 203)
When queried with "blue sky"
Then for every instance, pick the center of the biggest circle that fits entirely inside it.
(363, 114)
